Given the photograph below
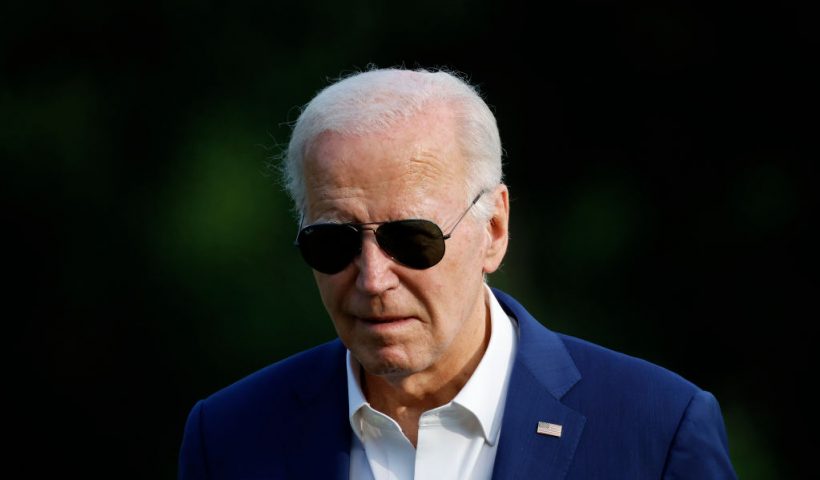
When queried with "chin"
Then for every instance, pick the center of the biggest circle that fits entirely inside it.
(388, 371)
(386, 365)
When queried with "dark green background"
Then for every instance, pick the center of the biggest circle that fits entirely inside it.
(660, 158)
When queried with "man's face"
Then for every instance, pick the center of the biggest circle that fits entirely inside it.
(396, 320)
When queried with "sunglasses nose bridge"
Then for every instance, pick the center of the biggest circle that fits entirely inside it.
(372, 238)
(375, 266)
(369, 228)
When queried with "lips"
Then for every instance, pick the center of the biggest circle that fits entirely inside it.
(384, 324)
(383, 320)
(377, 320)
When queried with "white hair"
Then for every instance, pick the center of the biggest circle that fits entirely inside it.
(375, 100)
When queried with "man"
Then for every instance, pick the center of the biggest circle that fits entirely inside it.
(396, 176)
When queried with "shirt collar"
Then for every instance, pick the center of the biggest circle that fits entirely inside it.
(355, 396)
(483, 395)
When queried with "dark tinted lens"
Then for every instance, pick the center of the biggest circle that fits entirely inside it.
(329, 247)
(414, 243)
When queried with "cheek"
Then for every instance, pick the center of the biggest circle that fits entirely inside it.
(466, 261)
(465, 273)
(331, 289)
(455, 284)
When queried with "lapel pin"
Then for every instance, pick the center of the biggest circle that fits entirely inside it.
(551, 429)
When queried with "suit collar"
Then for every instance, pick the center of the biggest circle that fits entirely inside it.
(542, 374)
(541, 351)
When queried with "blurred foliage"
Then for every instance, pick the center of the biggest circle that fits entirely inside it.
(747, 446)
(660, 167)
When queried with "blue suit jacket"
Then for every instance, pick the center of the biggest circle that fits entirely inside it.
(622, 418)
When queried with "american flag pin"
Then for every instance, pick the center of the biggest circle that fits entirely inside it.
(551, 429)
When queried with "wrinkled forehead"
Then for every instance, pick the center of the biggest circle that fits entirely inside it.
(402, 168)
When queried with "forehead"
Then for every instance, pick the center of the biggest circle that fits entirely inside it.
(403, 171)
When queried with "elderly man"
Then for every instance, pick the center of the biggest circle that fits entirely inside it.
(396, 175)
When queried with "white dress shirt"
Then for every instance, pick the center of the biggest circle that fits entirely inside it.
(455, 441)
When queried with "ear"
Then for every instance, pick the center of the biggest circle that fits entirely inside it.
(497, 229)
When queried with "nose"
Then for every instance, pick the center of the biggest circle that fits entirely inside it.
(375, 268)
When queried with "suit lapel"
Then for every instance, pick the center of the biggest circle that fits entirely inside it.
(543, 373)
(523, 453)
(321, 446)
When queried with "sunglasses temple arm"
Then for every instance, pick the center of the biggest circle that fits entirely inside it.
(475, 200)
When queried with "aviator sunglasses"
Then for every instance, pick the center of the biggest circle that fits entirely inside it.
(415, 243)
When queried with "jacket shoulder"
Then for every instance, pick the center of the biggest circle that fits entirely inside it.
(627, 398)
(250, 428)
(300, 376)
(617, 371)
(647, 419)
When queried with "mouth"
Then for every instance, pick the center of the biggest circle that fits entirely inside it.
(382, 319)
(385, 323)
